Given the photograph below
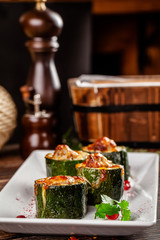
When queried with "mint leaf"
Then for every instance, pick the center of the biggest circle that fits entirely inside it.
(106, 209)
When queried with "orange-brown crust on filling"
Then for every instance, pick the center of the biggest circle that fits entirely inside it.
(63, 152)
(59, 180)
(97, 160)
(102, 144)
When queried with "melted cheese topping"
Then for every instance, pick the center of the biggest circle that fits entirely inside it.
(103, 144)
(97, 160)
(59, 181)
(63, 152)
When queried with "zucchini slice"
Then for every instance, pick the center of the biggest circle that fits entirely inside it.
(108, 147)
(61, 197)
(103, 178)
(63, 161)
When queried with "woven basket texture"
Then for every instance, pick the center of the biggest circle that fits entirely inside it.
(8, 116)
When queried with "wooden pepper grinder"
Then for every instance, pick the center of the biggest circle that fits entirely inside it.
(37, 129)
(42, 26)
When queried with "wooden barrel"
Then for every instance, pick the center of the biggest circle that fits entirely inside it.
(126, 109)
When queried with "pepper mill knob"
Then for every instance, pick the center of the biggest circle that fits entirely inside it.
(41, 22)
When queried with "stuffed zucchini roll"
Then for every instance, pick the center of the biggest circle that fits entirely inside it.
(61, 197)
(103, 178)
(63, 161)
(108, 147)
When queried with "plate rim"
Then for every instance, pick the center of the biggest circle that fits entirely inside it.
(82, 222)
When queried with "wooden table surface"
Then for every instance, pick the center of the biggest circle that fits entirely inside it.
(10, 162)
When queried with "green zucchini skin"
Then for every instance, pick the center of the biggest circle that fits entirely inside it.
(112, 185)
(61, 167)
(67, 202)
(121, 158)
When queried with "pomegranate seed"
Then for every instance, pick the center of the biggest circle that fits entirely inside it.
(113, 217)
(20, 216)
(127, 185)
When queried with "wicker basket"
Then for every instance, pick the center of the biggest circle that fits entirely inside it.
(8, 116)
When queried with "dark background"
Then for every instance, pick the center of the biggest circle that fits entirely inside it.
(72, 58)
(109, 44)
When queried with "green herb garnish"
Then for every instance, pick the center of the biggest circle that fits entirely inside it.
(104, 209)
(126, 213)
(113, 207)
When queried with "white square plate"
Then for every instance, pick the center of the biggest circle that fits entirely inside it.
(17, 198)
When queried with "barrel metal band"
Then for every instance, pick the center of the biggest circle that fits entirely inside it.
(117, 108)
